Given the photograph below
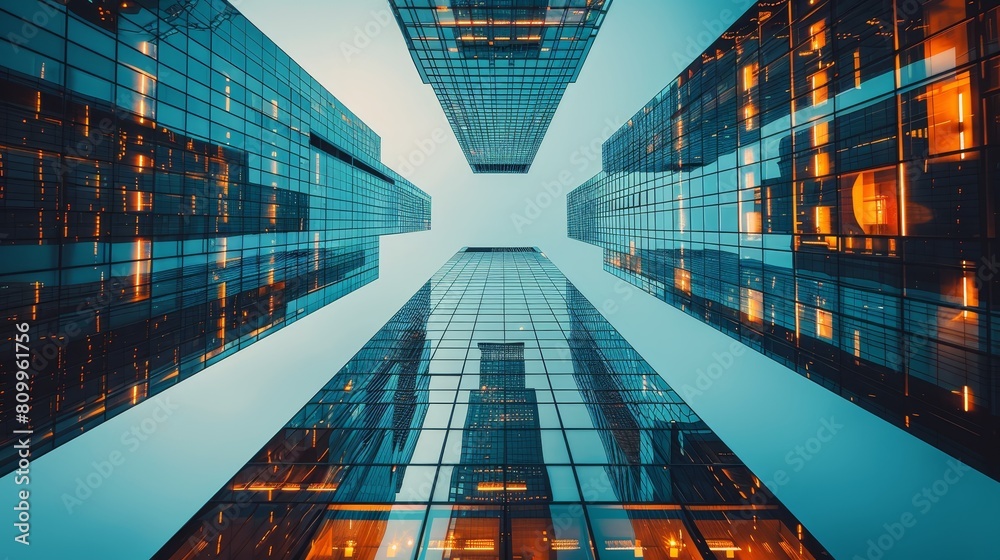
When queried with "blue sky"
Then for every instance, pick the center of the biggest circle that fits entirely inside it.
(864, 477)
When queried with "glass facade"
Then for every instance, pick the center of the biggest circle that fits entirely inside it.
(497, 415)
(499, 68)
(173, 188)
(818, 185)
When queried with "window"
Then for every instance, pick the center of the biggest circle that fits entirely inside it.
(752, 305)
(824, 324)
(868, 203)
(939, 118)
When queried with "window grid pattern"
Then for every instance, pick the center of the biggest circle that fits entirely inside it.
(163, 206)
(499, 68)
(496, 415)
(818, 185)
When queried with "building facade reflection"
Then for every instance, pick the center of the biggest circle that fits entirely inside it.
(499, 68)
(817, 184)
(173, 188)
(536, 432)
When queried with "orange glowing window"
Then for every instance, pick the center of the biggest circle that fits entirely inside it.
(823, 223)
(820, 133)
(500, 487)
(821, 164)
(817, 35)
(950, 116)
(565, 544)
(824, 324)
(141, 201)
(970, 295)
(752, 303)
(749, 76)
(820, 91)
(141, 269)
(682, 280)
(857, 68)
(749, 112)
(869, 202)
(939, 14)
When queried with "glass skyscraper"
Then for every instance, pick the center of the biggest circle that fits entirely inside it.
(173, 188)
(499, 68)
(818, 185)
(497, 415)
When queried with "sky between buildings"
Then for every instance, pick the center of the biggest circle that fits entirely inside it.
(866, 476)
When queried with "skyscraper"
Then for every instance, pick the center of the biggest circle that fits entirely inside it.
(173, 189)
(532, 430)
(499, 68)
(817, 184)
(502, 426)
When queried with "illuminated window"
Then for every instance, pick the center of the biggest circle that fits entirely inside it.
(749, 76)
(823, 224)
(682, 280)
(141, 201)
(820, 90)
(750, 206)
(941, 117)
(824, 324)
(817, 35)
(749, 112)
(820, 133)
(141, 268)
(821, 164)
(970, 294)
(869, 203)
(752, 304)
(940, 52)
(931, 16)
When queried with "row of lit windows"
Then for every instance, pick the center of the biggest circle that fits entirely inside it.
(167, 308)
(286, 469)
(891, 178)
